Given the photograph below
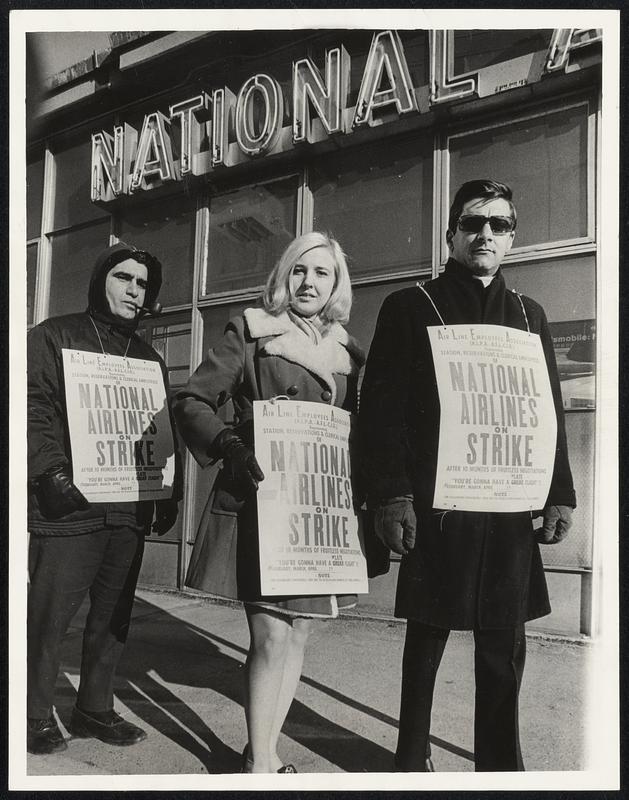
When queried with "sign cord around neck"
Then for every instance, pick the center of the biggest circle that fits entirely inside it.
(526, 319)
(101, 341)
(421, 288)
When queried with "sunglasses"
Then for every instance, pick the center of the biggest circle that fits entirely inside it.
(474, 223)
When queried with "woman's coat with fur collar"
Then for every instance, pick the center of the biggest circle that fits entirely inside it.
(260, 356)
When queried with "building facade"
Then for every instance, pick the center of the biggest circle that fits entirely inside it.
(213, 149)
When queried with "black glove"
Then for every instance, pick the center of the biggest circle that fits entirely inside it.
(239, 462)
(57, 494)
(557, 523)
(165, 515)
(395, 524)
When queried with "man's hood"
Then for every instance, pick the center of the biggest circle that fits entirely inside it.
(106, 261)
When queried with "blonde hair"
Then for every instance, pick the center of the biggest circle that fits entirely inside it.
(276, 295)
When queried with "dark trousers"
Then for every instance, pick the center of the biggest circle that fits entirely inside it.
(499, 657)
(63, 569)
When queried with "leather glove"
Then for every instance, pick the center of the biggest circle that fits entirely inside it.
(165, 515)
(239, 462)
(557, 523)
(395, 524)
(57, 495)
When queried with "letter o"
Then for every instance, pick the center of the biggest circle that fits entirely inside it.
(269, 92)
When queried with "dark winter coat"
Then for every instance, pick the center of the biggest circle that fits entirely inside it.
(467, 569)
(260, 356)
(48, 434)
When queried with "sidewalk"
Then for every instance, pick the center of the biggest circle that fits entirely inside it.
(181, 679)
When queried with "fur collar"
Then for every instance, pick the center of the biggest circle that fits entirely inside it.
(338, 353)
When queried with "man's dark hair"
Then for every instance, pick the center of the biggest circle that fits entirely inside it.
(484, 188)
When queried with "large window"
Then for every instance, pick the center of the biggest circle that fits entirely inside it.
(74, 253)
(170, 337)
(377, 201)
(544, 160)
(78, 231)
(166, 229)
(249, 229)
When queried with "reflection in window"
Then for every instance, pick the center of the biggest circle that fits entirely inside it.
(566, 287)
(166, 229)
(377, 201)
(544, 160)
(73, 256)
(249, 229)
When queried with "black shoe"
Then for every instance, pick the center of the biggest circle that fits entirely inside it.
(287, 768)
(43, 736)
(110, 728)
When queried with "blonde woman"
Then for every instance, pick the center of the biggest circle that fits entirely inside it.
(292, 345)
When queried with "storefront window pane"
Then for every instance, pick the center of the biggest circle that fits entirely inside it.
(73, 203)
(34, 197)
(31, 277)
(249, 229)
(566, 289)
(377, 201)
(474, 50)
(166, 230)
(214, 321)
(544, 160)
(172, 342)
(169, 335)
(73, 256)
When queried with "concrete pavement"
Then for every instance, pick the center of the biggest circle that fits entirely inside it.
(181, 679)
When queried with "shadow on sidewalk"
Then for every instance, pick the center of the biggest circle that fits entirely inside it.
(166, 650)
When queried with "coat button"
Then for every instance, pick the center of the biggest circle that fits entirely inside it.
(326, 396)
(292, 391)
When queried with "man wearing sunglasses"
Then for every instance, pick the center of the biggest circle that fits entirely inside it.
(460, 570)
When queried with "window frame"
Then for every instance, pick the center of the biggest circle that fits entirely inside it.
(543, 250)
(248, 292)
(431, 140)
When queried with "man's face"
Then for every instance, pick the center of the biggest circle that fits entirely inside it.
(125, 288)
(481, 252)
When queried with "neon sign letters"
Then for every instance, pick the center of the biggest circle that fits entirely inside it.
(221, 129)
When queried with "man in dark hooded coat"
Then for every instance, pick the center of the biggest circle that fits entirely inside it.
(76, 546)
(460, 570)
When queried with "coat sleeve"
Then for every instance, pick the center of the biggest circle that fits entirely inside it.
(562, 487)
(46, 412)
(178, 480)
(385, 461)
(211, 386)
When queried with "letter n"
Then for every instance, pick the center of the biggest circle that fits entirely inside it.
(328, 98)
(111, 162)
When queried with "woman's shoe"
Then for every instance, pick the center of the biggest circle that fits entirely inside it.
(287, 768)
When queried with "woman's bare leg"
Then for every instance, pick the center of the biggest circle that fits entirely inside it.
(293, 664)
(264, 676)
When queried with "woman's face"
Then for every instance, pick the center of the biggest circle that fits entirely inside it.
(311, 281)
